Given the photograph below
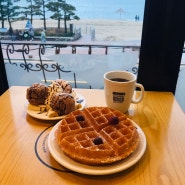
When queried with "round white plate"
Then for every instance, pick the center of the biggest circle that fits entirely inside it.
(69, 163)
(43, 116)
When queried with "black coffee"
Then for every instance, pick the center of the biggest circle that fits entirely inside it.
(119, 79)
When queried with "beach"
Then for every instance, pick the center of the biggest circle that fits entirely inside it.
(105, 30)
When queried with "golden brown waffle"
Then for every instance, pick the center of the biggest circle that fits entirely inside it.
(97, 135)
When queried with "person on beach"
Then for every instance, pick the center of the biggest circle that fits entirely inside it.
(26, 35)
(137, 18)
(31, 32)
(43, 36)
(11, 33)
(18, 35)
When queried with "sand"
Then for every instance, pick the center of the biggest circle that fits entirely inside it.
(105, 30)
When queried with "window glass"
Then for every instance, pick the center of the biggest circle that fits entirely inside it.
(111, 20)
(105, 22)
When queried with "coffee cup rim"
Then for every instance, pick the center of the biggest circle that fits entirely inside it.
(126, 72)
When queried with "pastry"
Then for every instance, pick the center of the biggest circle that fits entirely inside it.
(37, 94)
(56, 99)
(62, 103)
(60, 85)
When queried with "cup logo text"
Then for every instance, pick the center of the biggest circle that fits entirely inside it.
(118, 97)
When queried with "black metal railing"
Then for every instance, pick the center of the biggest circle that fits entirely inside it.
(24, 51)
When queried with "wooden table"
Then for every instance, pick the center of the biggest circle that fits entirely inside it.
(25, 159)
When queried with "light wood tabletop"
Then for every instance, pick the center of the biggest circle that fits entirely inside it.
(26, 160)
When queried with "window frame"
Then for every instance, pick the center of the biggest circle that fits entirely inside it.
(162, 44)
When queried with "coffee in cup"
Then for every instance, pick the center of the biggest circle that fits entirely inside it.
(119, 88)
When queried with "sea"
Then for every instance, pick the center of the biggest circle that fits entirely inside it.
(106, 9)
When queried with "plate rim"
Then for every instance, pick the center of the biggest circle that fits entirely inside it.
(95, 170)
(29, 112)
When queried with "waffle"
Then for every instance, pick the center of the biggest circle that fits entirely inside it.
(97, 136)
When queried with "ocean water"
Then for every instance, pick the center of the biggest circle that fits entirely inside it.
(106, 9)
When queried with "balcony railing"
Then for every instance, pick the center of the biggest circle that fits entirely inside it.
(34, 56)
(53, 57)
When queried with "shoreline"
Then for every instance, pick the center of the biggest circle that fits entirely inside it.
(105, 30)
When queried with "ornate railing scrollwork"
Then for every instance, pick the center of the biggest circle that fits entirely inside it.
(41, 63)
(45, 67)
(41, 66)
(135, 70)
(10, 49)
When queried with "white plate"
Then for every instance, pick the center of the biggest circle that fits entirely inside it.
(69, 163)
(43, 116)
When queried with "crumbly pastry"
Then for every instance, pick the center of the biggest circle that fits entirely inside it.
(97, 135)
(41, 95)
(58, 86)
(37, 94)
(62, 103)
